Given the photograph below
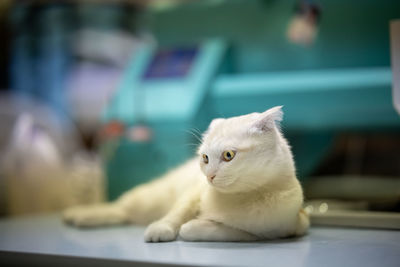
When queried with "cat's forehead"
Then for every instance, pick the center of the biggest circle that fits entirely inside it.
(235, 125)
(226, 128)
(229, 132)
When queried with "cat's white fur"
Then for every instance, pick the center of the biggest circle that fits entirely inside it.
(254, 196)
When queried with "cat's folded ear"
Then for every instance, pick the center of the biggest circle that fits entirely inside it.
(267, 120)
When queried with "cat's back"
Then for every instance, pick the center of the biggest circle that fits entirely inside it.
(184, 176)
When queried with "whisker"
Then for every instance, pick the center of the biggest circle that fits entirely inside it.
(196, 130)
(191, 144)
(195, 134)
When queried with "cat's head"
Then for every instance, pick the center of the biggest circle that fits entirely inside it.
(242, 153)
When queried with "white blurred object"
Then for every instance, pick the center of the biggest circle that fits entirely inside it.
(39, 180)
(47, 189)
(395, 55)
(31, 143)
(90, 88)
(59, 129)
(91, 84)
(86, 182)
(112, 47)
(41, 168)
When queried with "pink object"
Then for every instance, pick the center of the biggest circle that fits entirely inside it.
(139, 133)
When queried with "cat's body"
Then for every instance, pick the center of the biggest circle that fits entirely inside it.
(243, 189)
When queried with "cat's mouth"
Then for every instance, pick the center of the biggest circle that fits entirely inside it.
(220, 182)
(210, 178)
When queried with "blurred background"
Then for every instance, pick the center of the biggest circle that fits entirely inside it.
(100, 96)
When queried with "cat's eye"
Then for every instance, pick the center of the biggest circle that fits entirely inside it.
(228, 155)
(205, 158)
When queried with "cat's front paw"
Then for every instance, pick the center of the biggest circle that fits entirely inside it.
(160, 232)
(74, 216)
(191, 231)
(91, 216)
(79, 216)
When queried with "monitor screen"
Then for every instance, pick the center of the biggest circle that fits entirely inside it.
(171, 63)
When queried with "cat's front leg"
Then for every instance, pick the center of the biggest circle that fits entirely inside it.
(167, 228)
(95, 215)
(206, 230)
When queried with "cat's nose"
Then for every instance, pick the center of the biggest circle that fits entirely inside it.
(211, 178)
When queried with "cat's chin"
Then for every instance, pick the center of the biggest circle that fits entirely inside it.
(222, 189)
(219, 187)
(228, 188)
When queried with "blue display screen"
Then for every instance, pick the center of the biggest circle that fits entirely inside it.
(171, 63)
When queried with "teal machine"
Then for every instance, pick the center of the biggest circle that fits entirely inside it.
(163, 90)
(226, 58)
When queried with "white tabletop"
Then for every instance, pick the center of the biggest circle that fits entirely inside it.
(45, 240)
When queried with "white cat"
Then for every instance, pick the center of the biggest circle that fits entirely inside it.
(241, 187)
